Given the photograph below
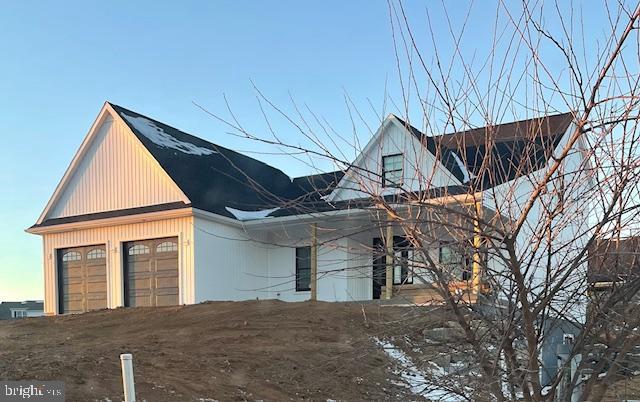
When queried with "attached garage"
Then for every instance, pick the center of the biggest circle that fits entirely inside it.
(151, 273)
(82, 279)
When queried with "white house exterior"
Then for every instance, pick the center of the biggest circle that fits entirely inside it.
(147, 215)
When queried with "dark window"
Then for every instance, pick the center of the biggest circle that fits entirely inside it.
(392, 170)
(303, 269)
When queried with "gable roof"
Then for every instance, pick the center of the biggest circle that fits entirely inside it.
(489, 156)
(219, 180)
(211, 176)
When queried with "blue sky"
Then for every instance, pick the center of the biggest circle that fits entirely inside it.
(61, 61)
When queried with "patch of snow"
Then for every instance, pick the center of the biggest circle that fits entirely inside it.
(415, 379)
(249, 215)
(158, 136)
(466, 176)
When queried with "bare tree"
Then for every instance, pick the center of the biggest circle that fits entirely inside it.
(528, 204)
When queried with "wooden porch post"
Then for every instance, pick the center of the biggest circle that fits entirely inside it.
(389, 261)
(477, 243)
(314, 262)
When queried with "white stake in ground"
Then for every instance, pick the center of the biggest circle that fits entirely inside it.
(127, 378)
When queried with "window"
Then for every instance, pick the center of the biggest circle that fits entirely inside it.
(166, 247)
(96, 253)
(401, 272)
(456, 261)
(568, 339)
(139, 249)
(303, 269)
(72, 256)
(392, 170)
(19, 313)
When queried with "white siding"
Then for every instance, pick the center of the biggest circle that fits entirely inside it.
(115, 172)
(421, 170)
(234, 265)
(571, 229)
(113, 237)
(228, 265)
(359, 278)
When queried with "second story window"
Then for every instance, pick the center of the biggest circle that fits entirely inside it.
(392, 170)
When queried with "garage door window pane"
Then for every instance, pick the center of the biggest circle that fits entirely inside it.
(96, 253)
(166, 247)
(72, 256)
(139, 249)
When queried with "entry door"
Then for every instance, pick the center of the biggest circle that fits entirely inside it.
(82, 279)
(151, 272)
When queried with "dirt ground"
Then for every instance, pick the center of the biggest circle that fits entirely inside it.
(258, 350)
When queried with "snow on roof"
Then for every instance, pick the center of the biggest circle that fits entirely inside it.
(249, 215)
(466, 177)
(156, 134)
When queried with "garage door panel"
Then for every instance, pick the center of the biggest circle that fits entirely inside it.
(166, 300)
(152, 272)
(139, 266)
(167, 283)
(97, 304)
(83, 279)
(99, 288)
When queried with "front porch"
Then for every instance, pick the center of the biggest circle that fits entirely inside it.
(359, 255)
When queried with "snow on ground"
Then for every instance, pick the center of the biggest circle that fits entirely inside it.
(415, 379)
(249, 215)
(156, 134)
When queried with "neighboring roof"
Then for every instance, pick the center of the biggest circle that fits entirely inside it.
(613, 260)
(30, 305)
(488, 156)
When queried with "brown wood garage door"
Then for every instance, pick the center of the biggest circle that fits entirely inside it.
(82, 279)
(151, 272)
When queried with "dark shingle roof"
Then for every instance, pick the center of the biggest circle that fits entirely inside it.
(493, 155)
(215, 179)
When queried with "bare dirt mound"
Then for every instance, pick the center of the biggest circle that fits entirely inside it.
(213, 351)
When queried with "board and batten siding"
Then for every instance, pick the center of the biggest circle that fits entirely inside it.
(115, 172)
(114, 237)
(420, 168)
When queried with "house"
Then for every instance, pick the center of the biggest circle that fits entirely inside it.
(29, 308)
(148, 215)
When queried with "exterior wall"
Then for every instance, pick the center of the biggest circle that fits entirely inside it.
(232, 264)
(421, 170)
(113, 237)
(229, 265)
(115, 172)
(360, 264)
(570, 228)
